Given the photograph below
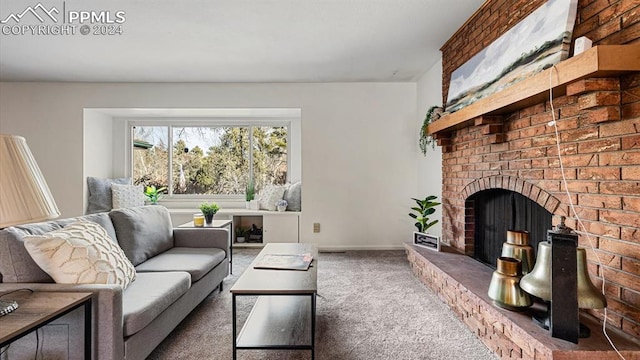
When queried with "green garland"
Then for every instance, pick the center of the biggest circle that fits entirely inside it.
(426, 140)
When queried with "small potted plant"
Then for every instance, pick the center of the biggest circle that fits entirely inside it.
(154, 194)
(241, 234)
(208, 210)
(421, 214)
(249, 194)
(281, 205)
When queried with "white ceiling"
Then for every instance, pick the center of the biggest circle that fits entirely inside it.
(236, 41)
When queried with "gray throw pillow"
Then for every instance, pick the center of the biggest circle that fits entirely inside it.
(100, 193)
(143, 232)
(16, 265)
(293, 196)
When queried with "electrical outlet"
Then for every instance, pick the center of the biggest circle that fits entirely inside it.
(316, 227)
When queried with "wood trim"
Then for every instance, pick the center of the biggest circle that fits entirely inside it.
(599, 61)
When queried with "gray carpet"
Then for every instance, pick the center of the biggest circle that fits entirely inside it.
(370, 306)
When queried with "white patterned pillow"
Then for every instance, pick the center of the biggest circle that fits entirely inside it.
(270, 195)
(126, 196)
(81, 253)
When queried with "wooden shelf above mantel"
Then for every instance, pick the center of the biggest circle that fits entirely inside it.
(599, 61)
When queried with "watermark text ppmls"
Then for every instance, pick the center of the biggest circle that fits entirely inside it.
(58, 19)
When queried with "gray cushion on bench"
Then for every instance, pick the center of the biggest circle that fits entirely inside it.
(100, 193)
(143, 232)
(149, 295)
(196, 261)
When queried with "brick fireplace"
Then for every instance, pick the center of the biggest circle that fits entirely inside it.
(598, 123)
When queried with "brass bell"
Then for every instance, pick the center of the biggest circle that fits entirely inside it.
(504, 287)
(589, 297)
(538, 281)
(517, 247)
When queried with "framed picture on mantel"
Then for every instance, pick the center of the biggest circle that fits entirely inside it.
(428, 241)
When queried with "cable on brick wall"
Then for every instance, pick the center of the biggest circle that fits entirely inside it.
(583, 230)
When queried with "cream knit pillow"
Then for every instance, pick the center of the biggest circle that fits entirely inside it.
(270, 195)
(126, 196)
(81, 253)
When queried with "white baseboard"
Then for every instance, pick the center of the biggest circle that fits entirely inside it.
(359, 247)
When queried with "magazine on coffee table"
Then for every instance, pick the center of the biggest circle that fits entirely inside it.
(285, 262)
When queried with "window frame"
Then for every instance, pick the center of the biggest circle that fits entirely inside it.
(172, 122)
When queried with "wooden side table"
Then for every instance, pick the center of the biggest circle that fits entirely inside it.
(216, 224)
(38, 309)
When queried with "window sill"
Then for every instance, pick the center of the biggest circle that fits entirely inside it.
(234, 211)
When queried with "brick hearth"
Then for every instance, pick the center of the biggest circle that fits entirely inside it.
(462, 283)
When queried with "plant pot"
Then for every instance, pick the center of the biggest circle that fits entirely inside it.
(282, 208)
(240, 239)
(254, 205)
(247, 205)
(208, 219)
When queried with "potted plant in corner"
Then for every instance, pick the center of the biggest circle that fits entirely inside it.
(208, 210)
(421, 214)
(154, 194)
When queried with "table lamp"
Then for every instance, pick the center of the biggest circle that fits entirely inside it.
(24, 194)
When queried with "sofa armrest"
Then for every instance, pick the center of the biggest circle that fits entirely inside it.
(106, 304)
(201, 237)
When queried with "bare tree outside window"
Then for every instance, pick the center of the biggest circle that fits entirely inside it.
(211, 160)
(151, 155)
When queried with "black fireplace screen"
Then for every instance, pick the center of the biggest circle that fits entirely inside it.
(499, 210)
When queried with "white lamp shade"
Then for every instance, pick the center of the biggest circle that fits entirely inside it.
(24, 194)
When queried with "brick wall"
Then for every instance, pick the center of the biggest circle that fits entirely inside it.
(606, 22)
(599, 129)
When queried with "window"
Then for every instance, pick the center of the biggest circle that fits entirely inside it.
(211, 159)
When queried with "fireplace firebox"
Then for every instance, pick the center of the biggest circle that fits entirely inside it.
(498, 210)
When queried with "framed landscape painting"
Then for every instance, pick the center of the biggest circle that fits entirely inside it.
(537, 42)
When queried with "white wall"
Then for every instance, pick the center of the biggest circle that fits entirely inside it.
(97, 148)
(359, 146)
(429, 168)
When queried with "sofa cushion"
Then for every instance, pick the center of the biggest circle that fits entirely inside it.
(196, 261)
(148, 296)
(17, 266)
(100, 193)
(143, 232)
(81, 253)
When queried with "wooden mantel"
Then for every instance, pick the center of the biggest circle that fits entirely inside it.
(599, 61)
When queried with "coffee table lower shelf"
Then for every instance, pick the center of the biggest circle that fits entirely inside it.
(285, 322)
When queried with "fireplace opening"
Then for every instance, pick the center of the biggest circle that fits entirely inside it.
(498, 210)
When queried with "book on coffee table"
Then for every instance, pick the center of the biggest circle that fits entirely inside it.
(284, 262)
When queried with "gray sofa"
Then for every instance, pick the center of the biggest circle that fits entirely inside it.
(175, 270)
